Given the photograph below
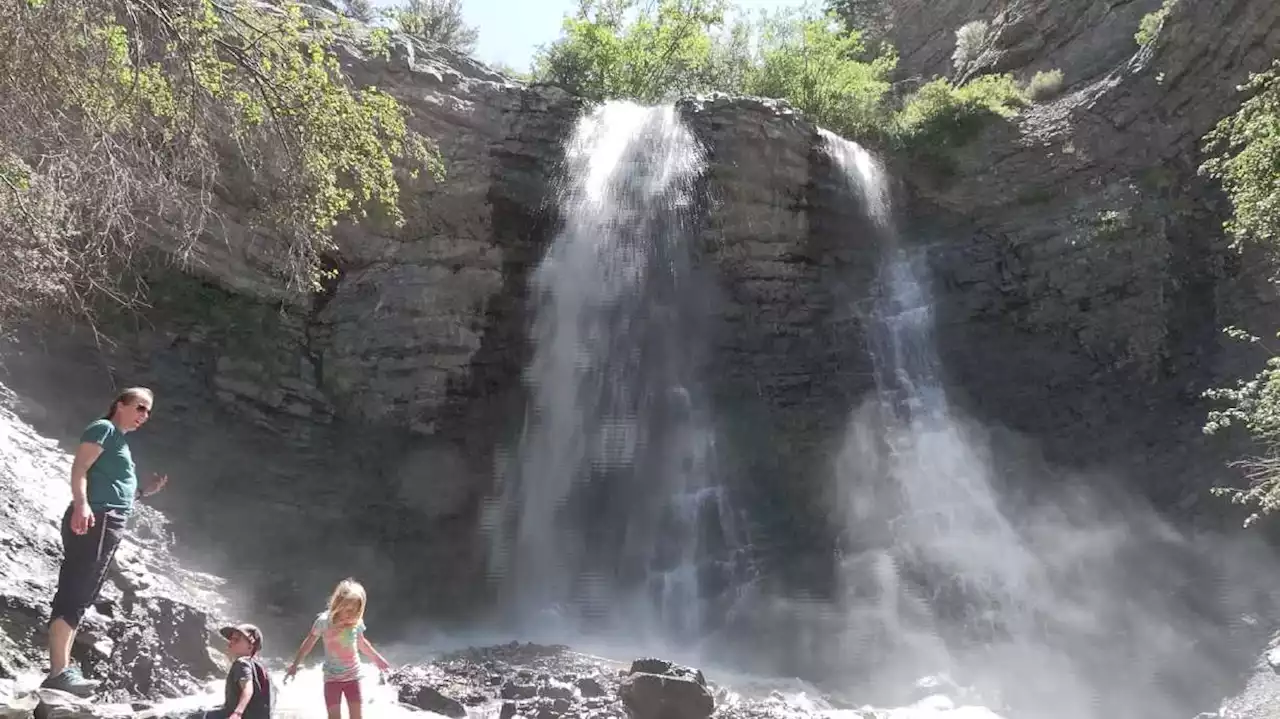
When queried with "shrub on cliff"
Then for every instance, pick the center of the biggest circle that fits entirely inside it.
(942, 114)
(1045, 85)
(1152, 23)
(616, 49)
(436, 21)
(128, 123)
(620, 49)
(1244, 153)
(969, 41)
(812, 63)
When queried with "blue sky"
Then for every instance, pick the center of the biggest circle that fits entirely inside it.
(510, 30)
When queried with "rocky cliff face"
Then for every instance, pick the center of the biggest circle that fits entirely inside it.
(1081, 274)
(1085, 274)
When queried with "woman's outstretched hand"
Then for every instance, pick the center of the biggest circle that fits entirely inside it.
(292, 670)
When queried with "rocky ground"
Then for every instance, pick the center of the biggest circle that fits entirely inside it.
(530, 681)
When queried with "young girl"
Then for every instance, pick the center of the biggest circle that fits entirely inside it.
(342, 631)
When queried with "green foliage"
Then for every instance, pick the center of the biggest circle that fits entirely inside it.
(1152, 23)
(1044, 85)
(871, 18)
(944, 114)
(620, 49)
(969, 41)
(129, 120)
(1254, 405)
(1244, 153)
(813, 64)
(436, 21)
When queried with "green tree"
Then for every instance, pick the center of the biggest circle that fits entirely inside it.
(1244, 154)
(128, 123)
(436, 21)
(814, 63)
(620, 49)
(871, 18)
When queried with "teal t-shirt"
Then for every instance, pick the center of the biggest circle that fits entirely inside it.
(113, 481)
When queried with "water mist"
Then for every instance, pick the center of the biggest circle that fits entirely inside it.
(610, 512)
(1070, 604)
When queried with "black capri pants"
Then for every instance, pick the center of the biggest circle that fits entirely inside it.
(85, 561)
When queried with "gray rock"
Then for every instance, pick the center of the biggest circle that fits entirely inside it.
(517, 690)
(60, 705)
(589, 687)
(14, 703)
(659, 689)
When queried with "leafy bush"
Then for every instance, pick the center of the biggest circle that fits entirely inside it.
(969, 40)
(942, 113)
(1244, 153)
(1045, 85)
(942, 116)
(811, 63)
(1152, 23)
(126, 121)
(620, 49)
(436, 21)
(871, 18)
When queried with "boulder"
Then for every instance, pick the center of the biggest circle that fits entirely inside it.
(589, 687)
(61, 705)
(16, 704)
(414, 686)
(658, 689)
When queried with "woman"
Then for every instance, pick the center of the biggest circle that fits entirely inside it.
(104, 486)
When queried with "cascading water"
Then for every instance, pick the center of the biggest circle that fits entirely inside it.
(945, 558)
(610, 507)
(941, 572)
(949, 523)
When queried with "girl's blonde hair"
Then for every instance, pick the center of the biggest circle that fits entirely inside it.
(346, 605)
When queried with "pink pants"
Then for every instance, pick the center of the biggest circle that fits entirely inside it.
(334, 691)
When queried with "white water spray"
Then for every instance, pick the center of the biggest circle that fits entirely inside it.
(1040, 603)
(611, 505)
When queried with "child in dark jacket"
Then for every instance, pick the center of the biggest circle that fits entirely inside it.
(248, 692)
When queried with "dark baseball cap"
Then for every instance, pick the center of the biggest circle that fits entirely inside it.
(251, 632)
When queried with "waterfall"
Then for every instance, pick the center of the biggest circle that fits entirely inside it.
(610, 502)
(938, 558)
(1038, 601)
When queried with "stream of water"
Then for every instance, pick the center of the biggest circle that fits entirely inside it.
(610, 505)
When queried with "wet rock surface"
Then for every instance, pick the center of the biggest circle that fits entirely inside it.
(527, 680)
(554, 682)
(658, 689)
